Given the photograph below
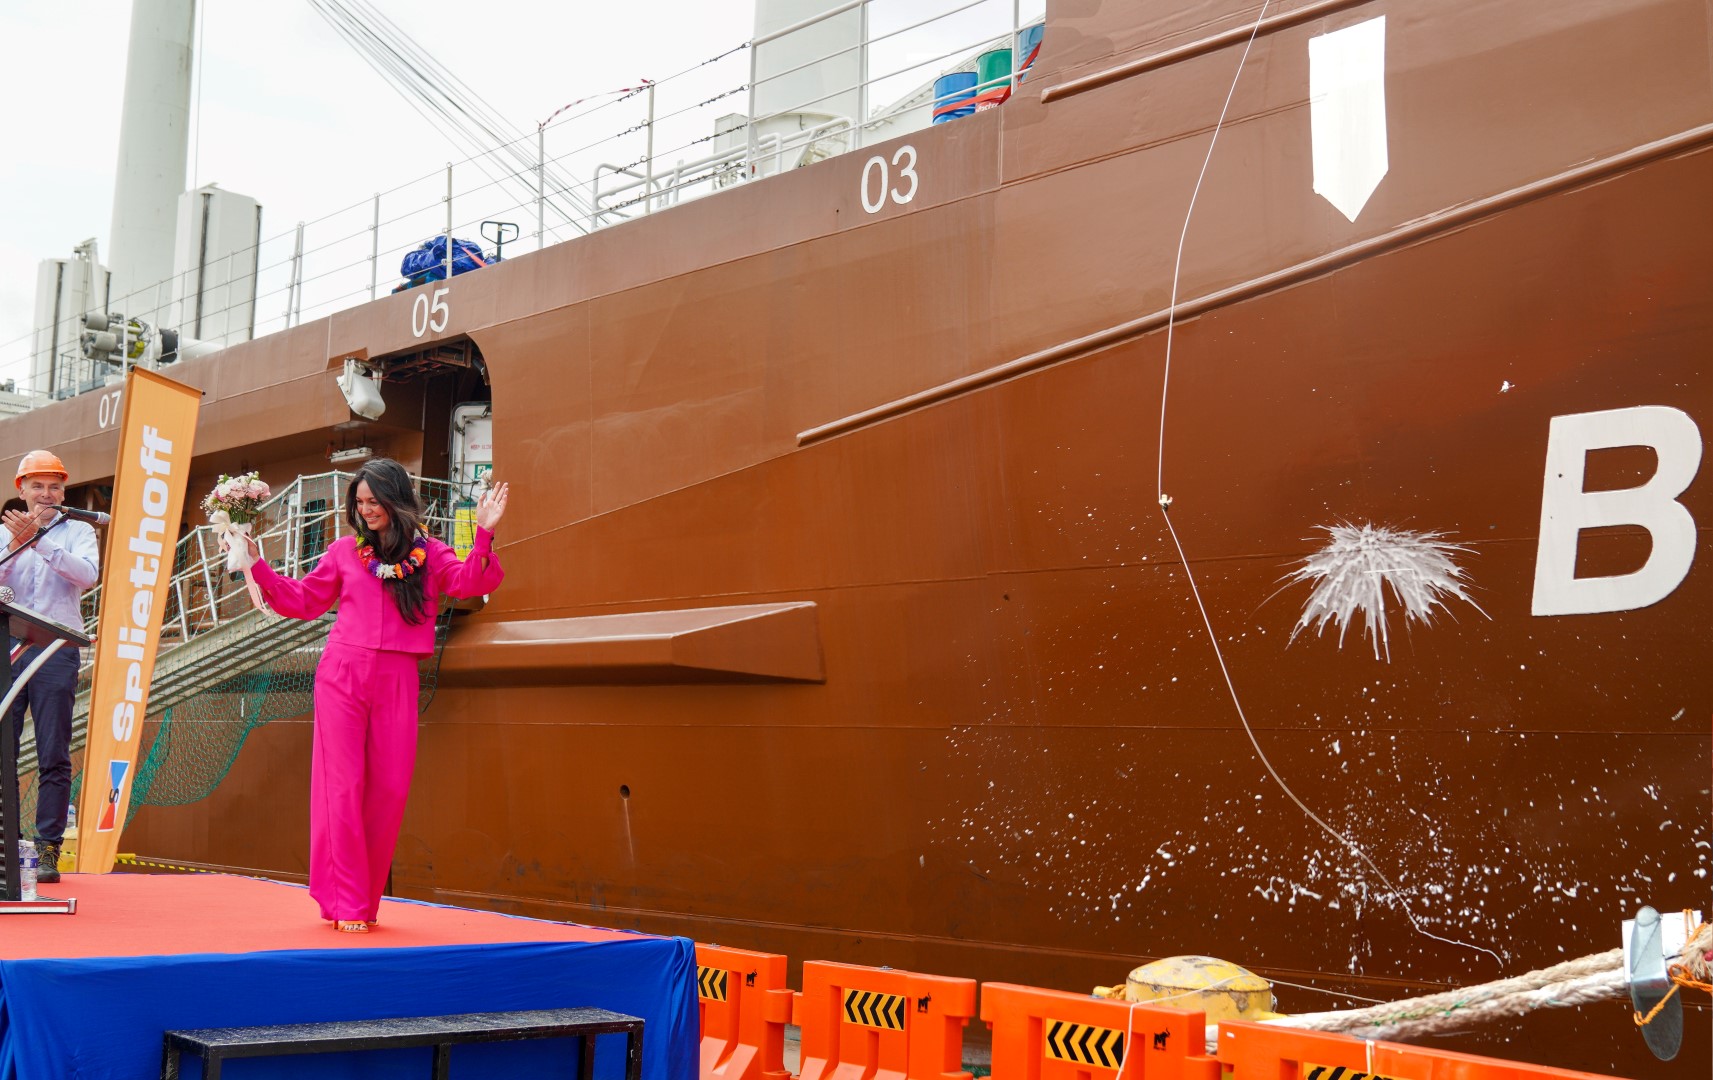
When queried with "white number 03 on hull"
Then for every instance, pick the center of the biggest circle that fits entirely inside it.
(878, 183)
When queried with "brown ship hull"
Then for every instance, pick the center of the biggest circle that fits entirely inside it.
(971, 718)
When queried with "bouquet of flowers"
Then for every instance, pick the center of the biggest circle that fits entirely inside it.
(232, 508)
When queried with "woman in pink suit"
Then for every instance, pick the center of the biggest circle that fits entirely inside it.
(388, 580)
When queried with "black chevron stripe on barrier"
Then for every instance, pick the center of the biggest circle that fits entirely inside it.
(1085, 1044)
(871, 1008)
(712, 982)
(1339, 1072)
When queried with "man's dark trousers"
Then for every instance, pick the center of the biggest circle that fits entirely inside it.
(48, 697)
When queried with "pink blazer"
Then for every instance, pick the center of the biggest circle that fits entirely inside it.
(367, 617)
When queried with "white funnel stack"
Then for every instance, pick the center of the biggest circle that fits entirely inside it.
(790, 103)
(66, 289)
(214, 266)
(154, 137)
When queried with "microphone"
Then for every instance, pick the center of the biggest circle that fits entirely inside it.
(94, 517)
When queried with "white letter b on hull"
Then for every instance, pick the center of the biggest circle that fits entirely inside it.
(1566, 509)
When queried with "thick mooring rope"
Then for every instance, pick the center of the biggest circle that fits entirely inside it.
(1600, 977)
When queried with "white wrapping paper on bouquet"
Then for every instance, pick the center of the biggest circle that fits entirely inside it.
(233, 538)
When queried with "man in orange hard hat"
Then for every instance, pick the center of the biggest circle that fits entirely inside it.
(62, 561)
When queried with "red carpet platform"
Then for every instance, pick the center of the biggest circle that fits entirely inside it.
(88, 995)
(173, 914)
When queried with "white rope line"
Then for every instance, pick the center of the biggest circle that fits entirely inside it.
(1165, 503)
(1129, 1032)
(1328, 993)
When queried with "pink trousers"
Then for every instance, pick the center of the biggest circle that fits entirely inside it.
(365, 751)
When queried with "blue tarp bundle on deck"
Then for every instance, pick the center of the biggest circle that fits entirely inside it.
(428, 262)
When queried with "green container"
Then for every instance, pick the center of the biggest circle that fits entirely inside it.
(992, 70)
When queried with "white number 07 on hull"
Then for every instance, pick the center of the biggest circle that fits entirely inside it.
(429, 313)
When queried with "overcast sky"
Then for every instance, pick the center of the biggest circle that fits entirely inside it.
(292, 115)
(285, 111)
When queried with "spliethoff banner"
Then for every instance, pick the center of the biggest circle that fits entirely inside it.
(148, 500)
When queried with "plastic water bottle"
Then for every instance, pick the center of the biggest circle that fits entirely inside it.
(28, 864)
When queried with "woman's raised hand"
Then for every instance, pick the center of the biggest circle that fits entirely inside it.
(255, 549)
(492, 507)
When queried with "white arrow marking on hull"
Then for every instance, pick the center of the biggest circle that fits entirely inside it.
(1347, 113)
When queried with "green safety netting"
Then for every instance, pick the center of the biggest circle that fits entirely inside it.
(188, 749)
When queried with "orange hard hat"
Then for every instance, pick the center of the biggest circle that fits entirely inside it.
(40, 463)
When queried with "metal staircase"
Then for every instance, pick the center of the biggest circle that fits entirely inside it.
(212, 633)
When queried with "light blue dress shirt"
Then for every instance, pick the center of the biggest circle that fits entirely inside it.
(54, 573)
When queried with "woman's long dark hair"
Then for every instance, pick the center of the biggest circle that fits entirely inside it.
(390, 485)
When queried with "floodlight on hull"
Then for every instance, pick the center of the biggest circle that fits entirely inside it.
(362, 390)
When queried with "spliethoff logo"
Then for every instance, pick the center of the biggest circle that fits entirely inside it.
(116, 772)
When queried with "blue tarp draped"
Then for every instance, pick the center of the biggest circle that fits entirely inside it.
(103, 1017)
(428, 262)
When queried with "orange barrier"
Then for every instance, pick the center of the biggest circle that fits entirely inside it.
(1051, 1035)
(863, 1023)
(1279, 1053)
(744, 1005)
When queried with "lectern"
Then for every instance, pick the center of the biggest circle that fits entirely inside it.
(33, 628)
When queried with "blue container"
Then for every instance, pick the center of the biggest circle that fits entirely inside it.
(1028, 40)
(954, 96)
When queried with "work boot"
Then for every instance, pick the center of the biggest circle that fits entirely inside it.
(48, 855)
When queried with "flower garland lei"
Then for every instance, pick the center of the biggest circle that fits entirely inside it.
(411, 564)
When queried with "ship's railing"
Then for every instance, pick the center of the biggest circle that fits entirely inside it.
(756, 109)
(295, 528)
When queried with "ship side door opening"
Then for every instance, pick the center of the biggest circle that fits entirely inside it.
(456, 421)
(470, 439)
